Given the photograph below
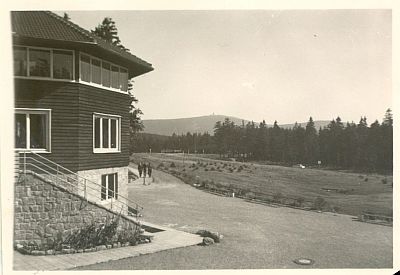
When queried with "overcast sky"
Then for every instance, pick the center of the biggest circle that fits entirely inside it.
(260, 64)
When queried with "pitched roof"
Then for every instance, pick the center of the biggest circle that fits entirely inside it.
(48, 25)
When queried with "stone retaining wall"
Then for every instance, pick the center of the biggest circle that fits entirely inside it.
(44, 212)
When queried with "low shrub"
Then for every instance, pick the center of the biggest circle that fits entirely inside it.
(384, 181)
(250, 195)
(277, 197)
(366, 179)
(172, 165)
(93, 235)
(299, 201)
(319, 203)
(342, 191)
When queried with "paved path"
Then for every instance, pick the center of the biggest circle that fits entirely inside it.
(163, 240)
(256, 236)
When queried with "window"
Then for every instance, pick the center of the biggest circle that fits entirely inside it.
(106, 74)
(62, 65)
(109, 186)
(101, 73)
(123, 79)
(96, 71)
(115, 77)
(20, 61)
(39, 63)
(106, 133)
(85, 68)
(43, 63)
(32, 129)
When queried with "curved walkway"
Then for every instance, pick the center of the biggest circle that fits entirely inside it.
(256, 236)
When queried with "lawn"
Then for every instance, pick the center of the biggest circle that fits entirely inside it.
(341, 192)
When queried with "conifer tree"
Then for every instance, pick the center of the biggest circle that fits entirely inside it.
(311, 143)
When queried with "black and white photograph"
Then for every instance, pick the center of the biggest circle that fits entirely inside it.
(181, 138)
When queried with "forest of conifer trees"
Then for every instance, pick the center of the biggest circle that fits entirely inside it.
(339, 145)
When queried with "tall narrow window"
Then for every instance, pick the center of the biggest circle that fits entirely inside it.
(123, 79)
(20, 130)
(62, 64)
(38, 130)
(32, 129)
(106, 72)
(116, 186)
(85, 68)
(106, 131)
(109, 186)
(103, 187)
(39, 63)
(96, 71)
(115, 77)
(20, 61)
(113, 133)
(97, 132)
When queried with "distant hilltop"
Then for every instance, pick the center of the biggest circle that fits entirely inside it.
(202, 124)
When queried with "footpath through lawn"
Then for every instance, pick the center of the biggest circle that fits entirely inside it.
(256, 236)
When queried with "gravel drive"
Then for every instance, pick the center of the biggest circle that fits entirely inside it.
(256, 236)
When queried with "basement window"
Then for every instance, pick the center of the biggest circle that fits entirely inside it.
(109, 186)
(106, 133)
(32, 129)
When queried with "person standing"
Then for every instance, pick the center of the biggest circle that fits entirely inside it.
(149, 169)
(144, 173)
(140, 168)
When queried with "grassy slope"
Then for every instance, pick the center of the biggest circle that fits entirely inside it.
(361, 192)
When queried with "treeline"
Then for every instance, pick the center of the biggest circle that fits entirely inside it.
(338, 145)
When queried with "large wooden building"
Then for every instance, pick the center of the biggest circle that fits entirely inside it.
(71, 98)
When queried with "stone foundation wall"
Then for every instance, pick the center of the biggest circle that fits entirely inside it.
(43, 212)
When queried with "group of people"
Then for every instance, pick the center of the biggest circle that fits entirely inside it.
(145, 169)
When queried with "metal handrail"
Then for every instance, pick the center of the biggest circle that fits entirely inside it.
(52, 162)
(55, 170)
(77, 179)
(87, 180)
(75, 186)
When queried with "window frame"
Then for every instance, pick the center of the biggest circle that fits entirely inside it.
(28, 48)
(27, 112)
(26, 60)
(116, 190)
(52, 64)
(102, 150)
(119, 90)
